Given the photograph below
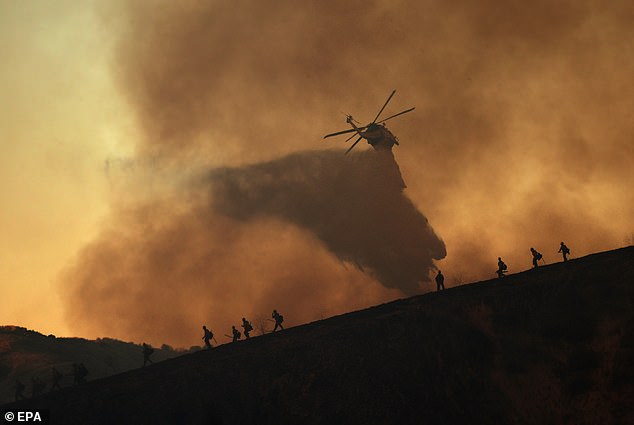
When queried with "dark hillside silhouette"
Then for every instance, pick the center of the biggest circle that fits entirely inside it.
(552, 345)
(26, 355)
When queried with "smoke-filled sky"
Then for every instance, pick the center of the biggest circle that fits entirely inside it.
(163, 166)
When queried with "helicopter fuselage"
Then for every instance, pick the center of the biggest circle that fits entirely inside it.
(379, 137)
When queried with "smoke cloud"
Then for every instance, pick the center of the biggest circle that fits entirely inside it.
(354, 205)
(521, 137)
(245, 240)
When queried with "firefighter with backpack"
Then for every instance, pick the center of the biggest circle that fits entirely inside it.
(564, 251)
(207, 337)
(235, 334)
(536, 257)
(246, 325)
(502, 268)
(278, 318)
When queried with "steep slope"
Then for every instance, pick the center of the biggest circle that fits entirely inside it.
(553, 345)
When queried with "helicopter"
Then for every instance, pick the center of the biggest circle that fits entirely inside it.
(376, 133)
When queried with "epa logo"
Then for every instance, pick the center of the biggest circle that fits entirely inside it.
(27, 416)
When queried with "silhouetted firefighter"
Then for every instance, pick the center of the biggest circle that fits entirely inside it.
(209, 335)
(536, 257)
(19, 390)
(147, 352)
(235, 334)
(501, 267)
(246, 325)
(37, 386)
(79, 373)
(57, 377)
(440, 281)
(278, 318)
(564, 251)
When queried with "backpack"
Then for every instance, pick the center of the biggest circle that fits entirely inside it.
(280, 318)
(538, 256)
(248, 326)
(566, 250)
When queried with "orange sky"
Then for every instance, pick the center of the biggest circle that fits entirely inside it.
(60, 118)
(522, 137)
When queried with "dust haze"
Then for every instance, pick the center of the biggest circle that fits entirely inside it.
(522, 136)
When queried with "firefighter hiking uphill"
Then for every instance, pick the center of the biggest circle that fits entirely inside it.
(247, 327)
(208, 336)
(278, 318)
(565, 251)
(536, 257)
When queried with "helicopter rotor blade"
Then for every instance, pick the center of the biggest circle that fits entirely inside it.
(386, 102)
(353, 145)
(340, 132)
(349, 138)
(396, 115)
(345, 131)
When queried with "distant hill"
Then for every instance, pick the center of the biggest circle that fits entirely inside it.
(547, 346)
(26, 354)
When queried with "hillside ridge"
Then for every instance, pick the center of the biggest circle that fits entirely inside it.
(551, 345)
